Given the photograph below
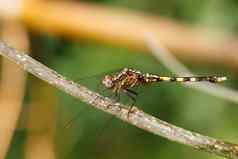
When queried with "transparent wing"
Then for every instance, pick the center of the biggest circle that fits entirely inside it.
(83, 124)
(94, 82)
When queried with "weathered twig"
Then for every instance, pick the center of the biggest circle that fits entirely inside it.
(137, 117)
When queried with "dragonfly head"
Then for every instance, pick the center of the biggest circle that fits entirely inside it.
(108, 81)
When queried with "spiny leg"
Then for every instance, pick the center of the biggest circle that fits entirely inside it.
(130, 94)
(99, 89)
(115, 96)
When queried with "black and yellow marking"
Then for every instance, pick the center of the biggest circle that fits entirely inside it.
(129, 78)
(212, 79)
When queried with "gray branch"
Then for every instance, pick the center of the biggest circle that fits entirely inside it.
(137, 117)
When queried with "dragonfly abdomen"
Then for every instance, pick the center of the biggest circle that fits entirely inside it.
(213, 79)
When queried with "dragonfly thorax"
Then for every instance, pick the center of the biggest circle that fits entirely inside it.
(123, 80)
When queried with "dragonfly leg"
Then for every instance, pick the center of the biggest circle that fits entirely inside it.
(132, 92)
(115, 97)
(132, 95)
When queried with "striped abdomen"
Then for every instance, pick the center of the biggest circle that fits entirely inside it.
(212, 79)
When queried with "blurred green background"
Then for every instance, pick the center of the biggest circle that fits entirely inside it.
(88, 137)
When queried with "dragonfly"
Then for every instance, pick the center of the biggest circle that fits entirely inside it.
(124, 80)
(128, 78)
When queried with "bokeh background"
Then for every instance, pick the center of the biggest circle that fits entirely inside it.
(88, 38)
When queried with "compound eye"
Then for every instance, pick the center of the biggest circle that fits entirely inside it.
(107, 81)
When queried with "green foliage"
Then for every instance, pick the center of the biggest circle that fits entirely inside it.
(191, 109)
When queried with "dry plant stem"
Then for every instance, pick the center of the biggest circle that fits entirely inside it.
(121, 27)
(170, 61)
(137, 117)
(12, 84)
(41, 145)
